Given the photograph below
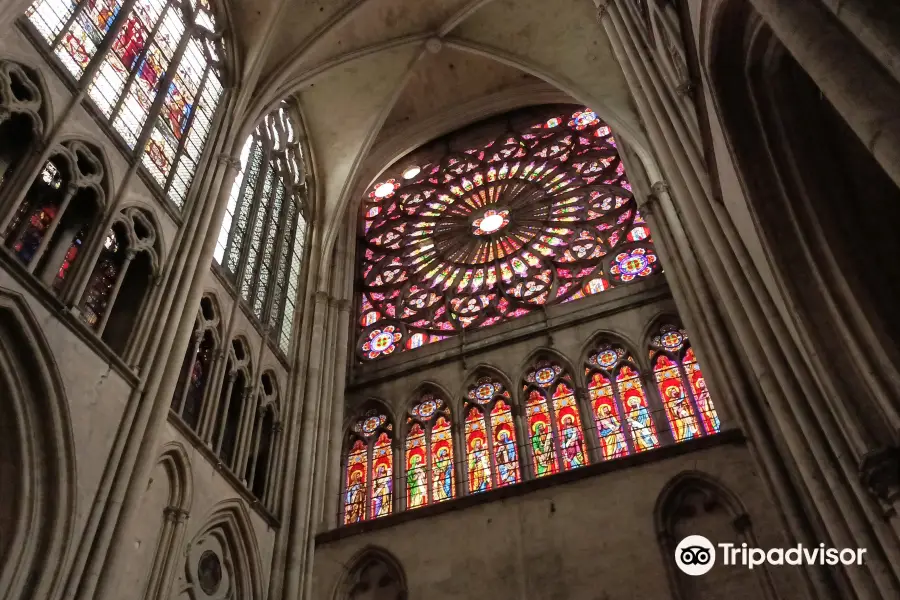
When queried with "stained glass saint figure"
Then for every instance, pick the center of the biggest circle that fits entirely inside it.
(416, 483)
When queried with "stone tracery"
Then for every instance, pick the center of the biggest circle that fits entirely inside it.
(541, 215)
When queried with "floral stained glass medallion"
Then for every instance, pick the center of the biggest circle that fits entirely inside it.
(487, 232)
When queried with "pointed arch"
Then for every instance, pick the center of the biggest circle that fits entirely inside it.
(372, 568)
(190, 397)
(552, 419)
(489, 432)
(369, 464)
(696, 503)
(37, 456)
(26, 110)
(682, 386)
(428, 448)
(624, 417)
(263, 235)
(223, 558)
(60, 213)
(171, 51)
(265, 441)
(236, 394)
(176, 464)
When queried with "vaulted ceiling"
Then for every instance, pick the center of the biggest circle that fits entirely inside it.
(377, 78)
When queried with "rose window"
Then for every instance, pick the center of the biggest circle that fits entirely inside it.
(540, 215)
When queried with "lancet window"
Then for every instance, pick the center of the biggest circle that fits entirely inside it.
(262, 237)
(152, 68)
(369, 470)
(429, 453)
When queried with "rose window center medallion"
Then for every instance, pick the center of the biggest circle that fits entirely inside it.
(491, 221)
(463, 235)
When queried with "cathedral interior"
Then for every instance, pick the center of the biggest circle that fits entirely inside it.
(447, 299)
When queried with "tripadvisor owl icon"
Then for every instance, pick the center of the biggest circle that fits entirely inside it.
(695, 555)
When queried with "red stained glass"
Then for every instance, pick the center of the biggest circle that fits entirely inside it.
(416, 468)
(382, 477)
(701, 394)
(637, 413)
(443, 480)
(355, 495)
(607, 417)
(680, 412)
(503, 431)
(478, 463)
(543, 452)
(573, 453)
(491, 232)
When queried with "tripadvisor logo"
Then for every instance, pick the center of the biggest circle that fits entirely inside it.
(696, 555)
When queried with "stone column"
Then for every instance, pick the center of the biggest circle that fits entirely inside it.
(195, 349)
(301, 529)
(753, 318)
(847, 77)
(333, 467)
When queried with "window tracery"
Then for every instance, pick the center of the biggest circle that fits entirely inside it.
(553, 420)
(262, 237)
(541, 215)
(158, 81)
(429, 453)
(622, 414)
(48, 230)
(120, 281)
(22, 115)
(369, 481)
(492, 457)
(681, 384)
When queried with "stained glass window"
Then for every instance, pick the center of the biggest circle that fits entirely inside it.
(682, 387)
(622, 414)
(492, 458)
(369, 473)
(429, 453)
(484, 233)
(59, 209)
(553, 420)
(159, 82)
(262, 238)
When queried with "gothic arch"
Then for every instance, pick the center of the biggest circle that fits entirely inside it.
(222, 559)
(612, 337)
(709, 508)
(370, 465)
(545, 353)
(425, 387)
(36, 455)
(372, 567)
(26, 115)
(176, 464)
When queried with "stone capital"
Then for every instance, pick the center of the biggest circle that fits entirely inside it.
(660, 188)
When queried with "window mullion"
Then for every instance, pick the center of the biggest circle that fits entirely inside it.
(264, 237)
(57, 40)
(623, 418)
(283, 233)
(255, 150)
(155, 108)
(290, 235)
(187, 129)
(251, 223)
(133, 71)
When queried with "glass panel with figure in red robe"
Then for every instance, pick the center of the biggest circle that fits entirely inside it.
(478, 464)
(382, 477)
(637, 414)
(355, 494)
